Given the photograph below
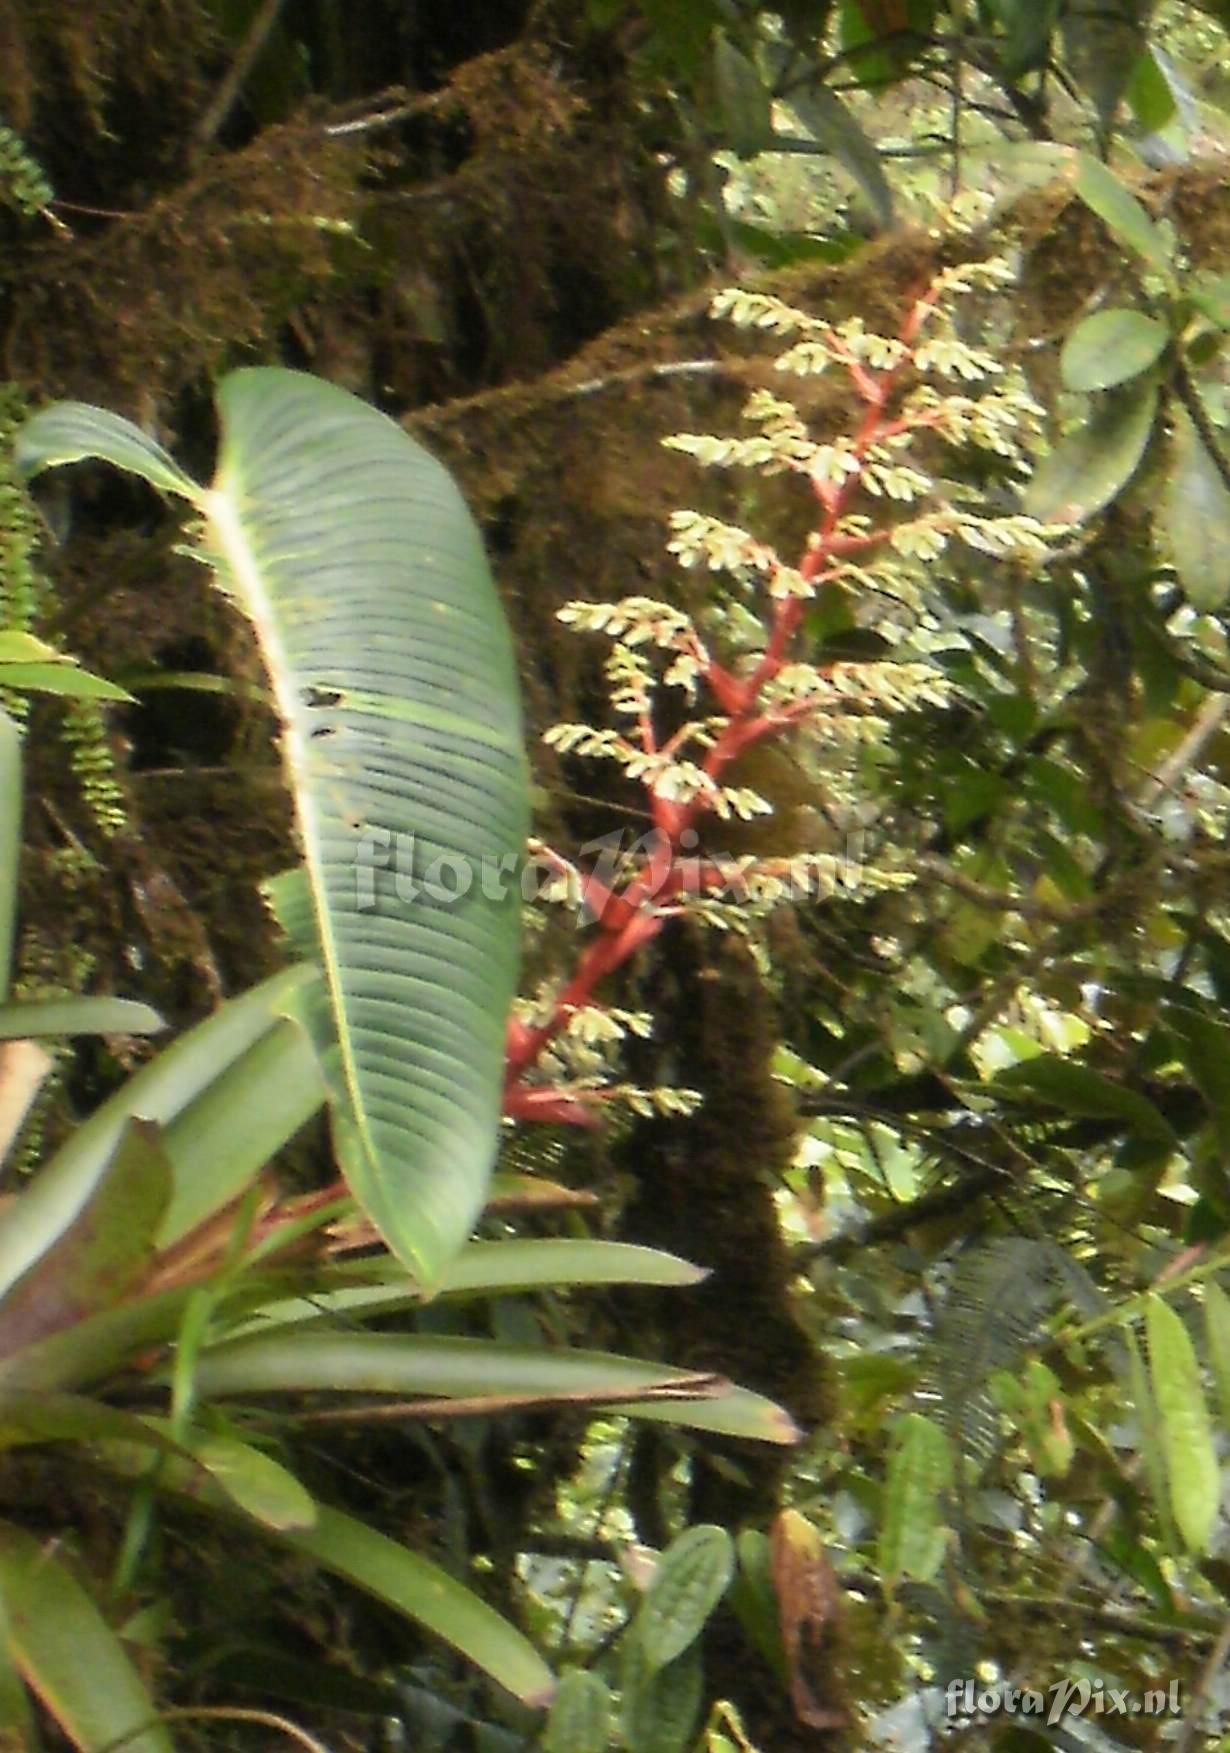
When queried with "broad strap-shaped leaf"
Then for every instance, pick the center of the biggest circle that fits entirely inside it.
(205, 1168)
(351, 552)
(102, 1254)
(296, 1361)
(482, 1269)
(69, 1656)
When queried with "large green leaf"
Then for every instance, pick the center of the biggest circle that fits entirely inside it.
(68, 1654)
(352, 553)
(392, 1363)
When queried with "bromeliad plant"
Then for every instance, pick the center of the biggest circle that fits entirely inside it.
(153, 1283)
(882, 517)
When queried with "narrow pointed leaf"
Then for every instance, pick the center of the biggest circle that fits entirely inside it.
(254, 1482)
(404, 1580)
(1102, 41)
(68, 1654)
(1196, 518)
(744, 105)
(64, 678)
(1119, 210)
(1077, 1089)
(834, 125)
(1110, 347)
(1090, 467)
(1192, 1472)
(1204, 1046)
(491, 1268)
(425, 1593)
(415, 1365)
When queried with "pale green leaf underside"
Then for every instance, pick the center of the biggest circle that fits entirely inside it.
(351, 552)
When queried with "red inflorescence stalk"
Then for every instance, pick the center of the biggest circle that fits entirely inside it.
(626, 921)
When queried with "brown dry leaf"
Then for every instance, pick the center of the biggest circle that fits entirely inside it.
(807, 1595)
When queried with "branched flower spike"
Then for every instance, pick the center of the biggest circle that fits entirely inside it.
(882, 518)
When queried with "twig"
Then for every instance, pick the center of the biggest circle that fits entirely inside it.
(245, 59)
(426, 105)
(998, 901)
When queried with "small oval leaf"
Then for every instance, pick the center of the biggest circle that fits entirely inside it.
(1110, 347)
(913, 1533)
(692, 1576)
(1192, 1472)
(255, 1483)
(660, 1706)
(580, 1719)
(1091, 466)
